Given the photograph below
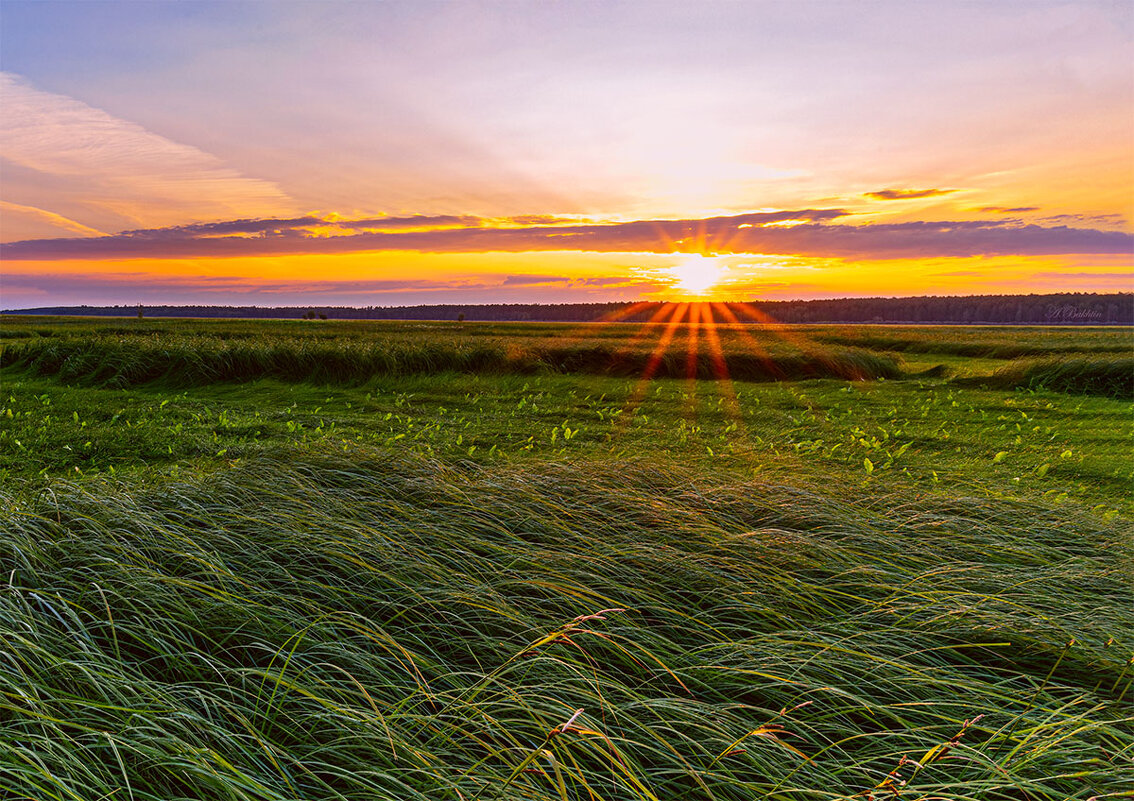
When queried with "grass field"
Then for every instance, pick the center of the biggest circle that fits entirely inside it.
(284, 559)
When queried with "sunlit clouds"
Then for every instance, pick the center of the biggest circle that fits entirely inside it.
(75, 166)
(826, 233)
(476, 152)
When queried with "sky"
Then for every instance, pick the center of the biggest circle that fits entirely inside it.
(395, 153)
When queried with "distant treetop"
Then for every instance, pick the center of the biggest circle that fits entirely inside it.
(1053, 309)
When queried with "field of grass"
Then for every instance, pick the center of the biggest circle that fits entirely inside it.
(203, 352)
(281, 560)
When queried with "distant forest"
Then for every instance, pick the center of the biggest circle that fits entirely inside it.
(1056, 309)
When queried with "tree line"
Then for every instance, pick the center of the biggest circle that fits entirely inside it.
(1078, 308)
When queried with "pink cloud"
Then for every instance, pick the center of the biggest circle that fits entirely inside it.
(754, 233)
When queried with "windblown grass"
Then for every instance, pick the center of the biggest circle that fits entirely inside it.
(110, 359)
(982, 342)
(369, 626)
(1109, 376)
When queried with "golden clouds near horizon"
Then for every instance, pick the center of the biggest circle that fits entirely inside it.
(384, 278)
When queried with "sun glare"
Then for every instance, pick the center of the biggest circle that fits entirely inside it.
(695, 275)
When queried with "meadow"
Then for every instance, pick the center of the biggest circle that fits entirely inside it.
(333, 559)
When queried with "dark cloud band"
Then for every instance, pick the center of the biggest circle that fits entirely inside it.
(806, 233)
(907, 194)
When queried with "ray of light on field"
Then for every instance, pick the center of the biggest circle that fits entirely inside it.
(720, 365)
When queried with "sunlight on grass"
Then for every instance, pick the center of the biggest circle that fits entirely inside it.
(690, 558)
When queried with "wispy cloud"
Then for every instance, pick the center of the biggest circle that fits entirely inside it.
(1124, 278)
(313, 227)
(535, 280)
(1007, 209)
(1090, 219)
(115, 170)
(22, 290)
(263, 228)
(436, 222)
(51, 218)
(763, 233)
(907, 194)
(576, 282)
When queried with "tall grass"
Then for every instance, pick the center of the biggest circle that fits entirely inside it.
(307, 625)
(121, 361)
(985, 342)
(1109, 376)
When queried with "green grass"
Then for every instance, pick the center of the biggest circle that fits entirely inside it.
(326, 626)
(198, 353)
(1111, 377)
(924, 435)
(340, 582)
(982, 342)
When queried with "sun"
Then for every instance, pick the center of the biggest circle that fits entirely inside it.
(696, 274)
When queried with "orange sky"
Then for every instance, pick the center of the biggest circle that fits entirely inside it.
(359, 154)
